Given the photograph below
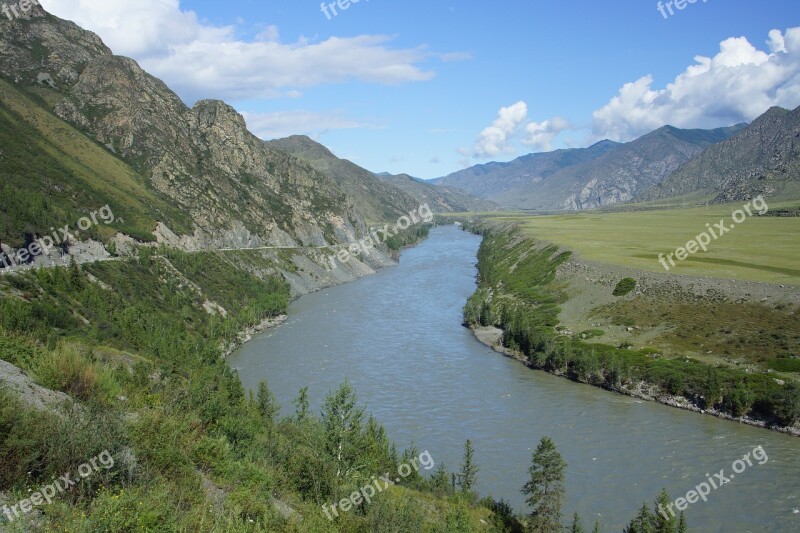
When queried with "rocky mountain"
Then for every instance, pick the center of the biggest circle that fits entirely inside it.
(377, 201)
(442, 199)
(763, 158)
(604, 174)
(493, 180)
(193, 177)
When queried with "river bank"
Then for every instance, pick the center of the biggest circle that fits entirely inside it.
(565, 316)
(492, 337)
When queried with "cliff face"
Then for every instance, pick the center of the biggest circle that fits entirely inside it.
(235, 190)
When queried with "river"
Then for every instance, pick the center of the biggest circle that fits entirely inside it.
(397, 336)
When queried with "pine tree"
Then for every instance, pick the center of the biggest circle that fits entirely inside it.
(663, 522)
(469, 471)
(577, 525)
(301, 405)
(596, 527)
(75, 275)
(440, 481)
(545, 490)
(267, 404)
(682, 527)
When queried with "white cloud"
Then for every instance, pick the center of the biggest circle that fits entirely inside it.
(542, 134)
(737, 85)
(494, 140)
(199, 60)
(285, 123)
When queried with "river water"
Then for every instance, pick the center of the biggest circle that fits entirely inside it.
(397, 336)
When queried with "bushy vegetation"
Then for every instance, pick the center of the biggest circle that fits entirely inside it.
(624, 287)
(518, 292)
(132, 343)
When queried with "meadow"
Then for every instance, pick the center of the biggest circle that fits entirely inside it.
(762, 248)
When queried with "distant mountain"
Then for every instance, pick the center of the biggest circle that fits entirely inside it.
(621, 174)
(441, 199)
(604, 174)
(492, 180)
(760, 159)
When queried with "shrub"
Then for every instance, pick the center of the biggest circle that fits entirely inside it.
(624, 287)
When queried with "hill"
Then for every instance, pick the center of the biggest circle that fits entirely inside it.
(763, 158)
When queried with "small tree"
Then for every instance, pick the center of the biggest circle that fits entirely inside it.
(545, 490)
(268, 406)
(301, 405)
(577, 525)
(341, 419)
(469, 471)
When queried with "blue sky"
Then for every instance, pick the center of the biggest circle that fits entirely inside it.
(417, 86)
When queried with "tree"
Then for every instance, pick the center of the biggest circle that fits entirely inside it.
(682, 527)
(301, 405)
(468, 476)
(643, 523)
(268, 406)
(75, 275)
(440, 481)
(341, 420)
(577, 525)
(663, 522)
(596, 527)
(545, 490)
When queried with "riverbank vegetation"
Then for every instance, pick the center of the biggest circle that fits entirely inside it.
(520, 293)
(135, 345)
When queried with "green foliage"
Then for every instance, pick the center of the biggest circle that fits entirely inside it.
(518, 291)
(468, 475)
(624, 287)
(545, 489)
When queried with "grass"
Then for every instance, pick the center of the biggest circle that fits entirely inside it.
(762, 249)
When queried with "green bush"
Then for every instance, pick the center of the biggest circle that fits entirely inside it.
(624, 287)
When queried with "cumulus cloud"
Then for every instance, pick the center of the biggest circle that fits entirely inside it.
(540, 135)
(495, 139)
(204, 61)
(300, 122)
(737, 85)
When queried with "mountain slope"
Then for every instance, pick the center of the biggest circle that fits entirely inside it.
(231, 189)
(620, 174)
(760, 159)
(376, 200)
(492, 180)
(441, 199)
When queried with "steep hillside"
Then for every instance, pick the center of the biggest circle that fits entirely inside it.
(224, 187)
(761, 159)
(440, 198)
(376, 200)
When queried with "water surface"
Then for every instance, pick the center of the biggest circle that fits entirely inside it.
(398, 337)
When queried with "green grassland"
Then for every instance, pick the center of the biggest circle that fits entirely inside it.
(763, 249)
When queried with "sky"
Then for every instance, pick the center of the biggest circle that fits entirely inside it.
(430, 87)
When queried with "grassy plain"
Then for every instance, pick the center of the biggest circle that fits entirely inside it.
(762, 248)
